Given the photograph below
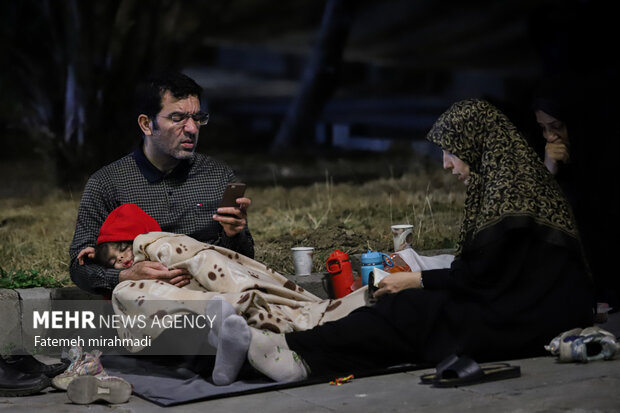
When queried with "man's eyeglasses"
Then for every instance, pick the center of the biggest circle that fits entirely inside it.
(201, 118)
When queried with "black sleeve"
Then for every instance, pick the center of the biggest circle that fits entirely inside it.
(487, 268)
(92, 212)
(243, 242)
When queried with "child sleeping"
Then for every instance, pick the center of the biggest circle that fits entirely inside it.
(263, 296)
(114, 247)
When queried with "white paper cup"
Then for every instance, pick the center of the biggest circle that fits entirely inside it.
(403, 236)
(302, 258)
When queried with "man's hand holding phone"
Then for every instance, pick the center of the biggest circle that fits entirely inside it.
(232, 212)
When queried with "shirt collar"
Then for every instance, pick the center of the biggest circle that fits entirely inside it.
(150, 171)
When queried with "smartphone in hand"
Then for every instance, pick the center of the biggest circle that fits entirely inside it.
(233, 191)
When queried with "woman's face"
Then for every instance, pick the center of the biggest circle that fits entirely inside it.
(459, 167)
(553, 130)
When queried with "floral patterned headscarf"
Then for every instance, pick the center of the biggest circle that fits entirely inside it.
(509, 184)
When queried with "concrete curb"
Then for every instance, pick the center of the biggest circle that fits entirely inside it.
(31, 299)
(15, 303)
(10, 322)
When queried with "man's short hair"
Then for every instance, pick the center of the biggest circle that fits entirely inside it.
(150, 93)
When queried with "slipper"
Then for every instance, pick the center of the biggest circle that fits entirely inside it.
(444, 364)
(430, 378)
(466, 371)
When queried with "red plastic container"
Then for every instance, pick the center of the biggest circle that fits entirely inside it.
(339, 267)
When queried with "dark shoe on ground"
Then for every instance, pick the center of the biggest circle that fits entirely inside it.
(89, 389)
(465, 372)
(448, 362)
(29, 364)
(444, 364)
(17, 383)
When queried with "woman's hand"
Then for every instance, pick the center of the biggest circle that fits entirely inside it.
(555, 152)
(398, 281)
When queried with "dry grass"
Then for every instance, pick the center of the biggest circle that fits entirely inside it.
(36, 228)
(352, 218)
(35, 234)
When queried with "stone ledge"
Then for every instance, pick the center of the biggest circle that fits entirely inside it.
(10, 322)
(314, 283)
(72, 293)
(15, 303)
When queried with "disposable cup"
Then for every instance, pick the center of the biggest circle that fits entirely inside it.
(403, 236)
(302, 259)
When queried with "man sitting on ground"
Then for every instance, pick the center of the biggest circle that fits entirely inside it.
(167, 179)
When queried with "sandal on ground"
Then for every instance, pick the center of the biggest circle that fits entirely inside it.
(89, 389)
(430, 378)
(465, 372)
(444, 364)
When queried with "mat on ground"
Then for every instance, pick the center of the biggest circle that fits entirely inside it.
(168, 381)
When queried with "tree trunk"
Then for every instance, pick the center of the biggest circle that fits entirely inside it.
(320, 78)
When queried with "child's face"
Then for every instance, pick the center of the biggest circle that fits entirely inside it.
(120, 255)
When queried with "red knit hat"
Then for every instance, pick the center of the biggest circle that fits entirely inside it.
(125, 223)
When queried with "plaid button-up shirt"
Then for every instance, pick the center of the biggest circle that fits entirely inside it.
(182, 202)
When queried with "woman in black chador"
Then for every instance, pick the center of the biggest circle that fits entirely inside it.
(517, 281)
(575, 152)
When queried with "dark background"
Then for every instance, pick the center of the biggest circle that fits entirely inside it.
(296, 79)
